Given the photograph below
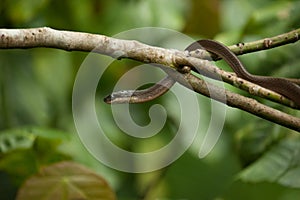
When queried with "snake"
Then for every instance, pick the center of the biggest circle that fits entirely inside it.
(280, 85)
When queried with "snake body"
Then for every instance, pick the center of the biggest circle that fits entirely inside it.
(140, 96)
(279, 85)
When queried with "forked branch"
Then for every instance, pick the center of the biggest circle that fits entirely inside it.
(116, 48)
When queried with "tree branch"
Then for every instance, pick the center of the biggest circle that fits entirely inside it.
(244, 103)
(77, 41)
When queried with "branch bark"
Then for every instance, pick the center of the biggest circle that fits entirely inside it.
(116, 48)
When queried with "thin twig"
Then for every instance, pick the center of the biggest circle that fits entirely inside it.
(267, 43)
(258, 45)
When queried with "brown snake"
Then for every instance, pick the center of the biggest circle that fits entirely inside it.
(279, 85)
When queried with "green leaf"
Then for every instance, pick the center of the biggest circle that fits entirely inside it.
(291, 178)
(17, 139)
(254, 139)
(65, 180)
(24, 138)
(280, 165)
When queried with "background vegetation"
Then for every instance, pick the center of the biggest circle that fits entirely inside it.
(254, 159)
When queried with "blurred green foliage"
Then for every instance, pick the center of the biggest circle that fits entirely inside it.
(254, 159)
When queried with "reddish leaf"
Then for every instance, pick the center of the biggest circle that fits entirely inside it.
(66, 181)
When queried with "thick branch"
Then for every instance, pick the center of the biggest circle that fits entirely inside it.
(78, 41)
